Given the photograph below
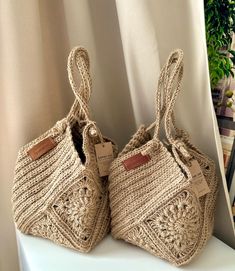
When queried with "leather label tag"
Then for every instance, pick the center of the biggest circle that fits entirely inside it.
(104, 157)
(198, 181)
(136, 161)
(41, 148)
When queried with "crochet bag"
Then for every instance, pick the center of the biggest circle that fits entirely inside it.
(162, 195)
(58, 193)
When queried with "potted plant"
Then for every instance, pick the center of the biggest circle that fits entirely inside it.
(220, 27)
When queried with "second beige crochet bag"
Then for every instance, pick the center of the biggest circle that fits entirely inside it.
(162, 195)
(58, 193)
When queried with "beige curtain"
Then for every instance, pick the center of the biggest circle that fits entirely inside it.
(128, 41)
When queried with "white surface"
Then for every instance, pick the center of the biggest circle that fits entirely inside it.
(111, 255)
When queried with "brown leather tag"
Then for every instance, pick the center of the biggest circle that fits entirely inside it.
(41, 148)
(136, 161)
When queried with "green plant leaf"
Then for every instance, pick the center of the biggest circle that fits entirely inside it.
(220, 25)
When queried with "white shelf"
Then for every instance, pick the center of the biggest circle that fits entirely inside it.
(37, 254)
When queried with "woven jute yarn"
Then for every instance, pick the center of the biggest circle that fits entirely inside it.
(60, 195)
(154, 206)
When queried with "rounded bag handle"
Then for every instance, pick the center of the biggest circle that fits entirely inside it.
(165, 103)
(175, 76)
(170, 79)
(167, 93)
(79, 58)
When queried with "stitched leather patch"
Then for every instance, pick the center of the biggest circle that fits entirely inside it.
(136, 161)
(41, 148)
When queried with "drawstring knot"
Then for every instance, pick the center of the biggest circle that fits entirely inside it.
(60, 127)
(150, 145)
(180, 146)
(93, 129)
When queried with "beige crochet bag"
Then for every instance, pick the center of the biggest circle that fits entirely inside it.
(58, 193)
(162, 196)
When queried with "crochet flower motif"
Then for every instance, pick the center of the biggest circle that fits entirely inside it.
(178, 224)
(77, 208)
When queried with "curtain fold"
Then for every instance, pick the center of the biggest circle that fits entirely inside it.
(140, 48)
(128, 42)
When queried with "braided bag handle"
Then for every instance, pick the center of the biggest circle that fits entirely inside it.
(170, 80)
(173, 77)
(163, 94)
(79, 58)
(168, 91)
(171, 73)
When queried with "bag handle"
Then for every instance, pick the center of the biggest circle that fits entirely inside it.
(167, 92)
(170, 80)
(173, 79)
(171, 72)
(79, 58)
